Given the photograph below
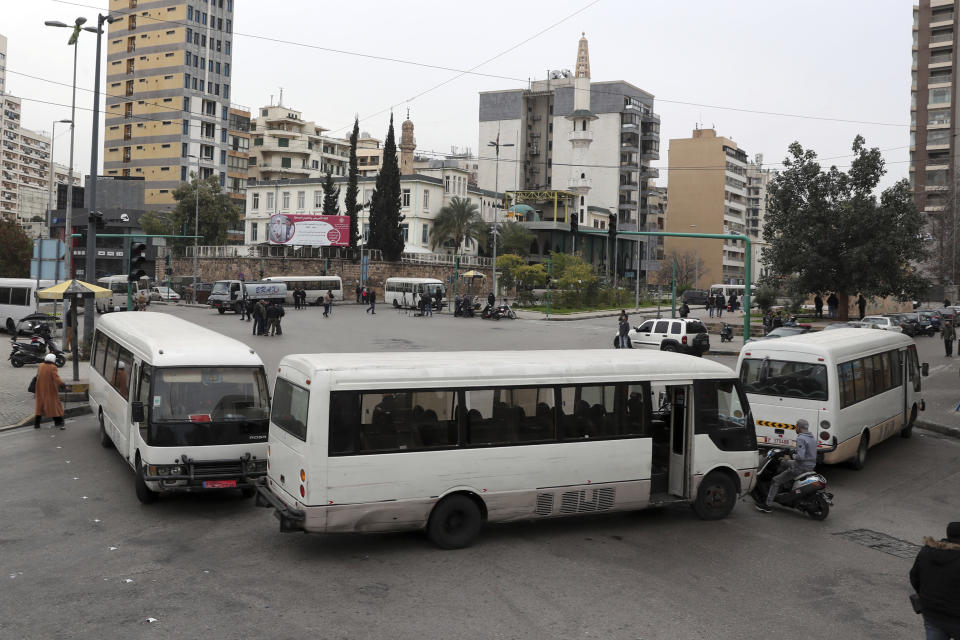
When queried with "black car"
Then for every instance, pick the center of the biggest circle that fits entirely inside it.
(910, 326)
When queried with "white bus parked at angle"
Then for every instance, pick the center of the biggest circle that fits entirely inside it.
(855, 388)
(186, 407)
(315, 286)
(378, 442)
(18, 298)
(118, 296)
(406, 292)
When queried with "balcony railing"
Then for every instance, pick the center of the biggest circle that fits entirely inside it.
(579, 183)
(941, 37)
(581, 136)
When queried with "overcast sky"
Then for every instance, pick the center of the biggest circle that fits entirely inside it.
(847, 60)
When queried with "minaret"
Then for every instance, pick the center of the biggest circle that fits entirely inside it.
(407, 145)
(583, 58)
(580, 134)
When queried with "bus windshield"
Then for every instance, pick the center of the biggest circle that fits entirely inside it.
(118, 287)
(432, 288)
(784, 378)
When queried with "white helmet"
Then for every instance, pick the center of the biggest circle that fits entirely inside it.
(50, 358)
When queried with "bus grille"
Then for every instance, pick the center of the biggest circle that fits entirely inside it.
(544, 504)
(579, 502)
(215, 469)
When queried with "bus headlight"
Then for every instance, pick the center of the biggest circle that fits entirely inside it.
(174, 470)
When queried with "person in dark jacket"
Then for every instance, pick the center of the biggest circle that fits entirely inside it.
(684, 310)
(817, 306)
(949, 334)
(372, 297)
(833, 304)
(935, 577)
(624, 331)
(733, 301)
(804, 459)
(862, 305)
(259, 318)
(359, 291)
(720, 303)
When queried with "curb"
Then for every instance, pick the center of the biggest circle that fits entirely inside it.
(943, 429)
(68, 412)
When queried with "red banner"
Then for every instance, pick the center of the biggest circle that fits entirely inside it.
(309, 229)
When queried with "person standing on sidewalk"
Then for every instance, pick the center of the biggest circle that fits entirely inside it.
(47, 402)
(833, 304)
(949, 334)
(372, 297)
(710, 304)
(327, 303)
(720, 303)
(68, 323)
(935, 577)
(862, 305)
(818, 307)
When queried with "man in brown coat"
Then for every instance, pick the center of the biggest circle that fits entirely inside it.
(47, 404)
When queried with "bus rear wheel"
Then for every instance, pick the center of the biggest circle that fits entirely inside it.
(716, 497)
(455, 522)
(859, 460)
(145, 494)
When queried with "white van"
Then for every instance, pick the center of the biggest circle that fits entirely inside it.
(118, 293)
(186, 407)
(18, 298)
(315, 286)
(406, 292)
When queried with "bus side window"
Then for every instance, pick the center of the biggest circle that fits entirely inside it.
(143, 392)
(121, 380)
(721, 414)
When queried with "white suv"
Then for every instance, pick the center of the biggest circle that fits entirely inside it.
(683, 335)
(880, 322)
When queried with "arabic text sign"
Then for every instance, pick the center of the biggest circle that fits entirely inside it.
(309, 229)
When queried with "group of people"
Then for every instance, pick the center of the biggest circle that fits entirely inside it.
(266, 316)
(717, 303)
(833, 304)
(772, 320)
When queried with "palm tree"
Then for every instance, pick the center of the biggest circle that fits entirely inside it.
(514, 238)
(457, 222)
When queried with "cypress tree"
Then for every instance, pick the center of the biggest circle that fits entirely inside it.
(350, 199)
(385, 218)
(331, 197)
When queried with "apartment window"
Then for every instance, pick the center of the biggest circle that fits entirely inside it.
(203, 20)
(229, 5)
(226, 69)
(424, 234)
(209, 86)
(189, 35)
(938, 116)
(938, 136)
(195, 85)
(253, 231)
(129, 90)
(269, 200)
(255, 202)
(939, 96)
(283, 142)
(285, 163)
(189, 13)
(226, 115)
(223, 157)
(183, 174)
(229, 26)
(186, 81)
(219, 24)
(318, 199)
(446, 184)
(131, 22)
(406, 197)
(405, 229)
(286, 200)
(937, 178)
(226, 45)
(223, 135)
(226, 92)
(426, 200)
(186, 103)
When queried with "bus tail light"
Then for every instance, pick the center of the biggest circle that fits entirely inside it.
(824, 424)
(824, 435)
(303, 475)
(303, 492)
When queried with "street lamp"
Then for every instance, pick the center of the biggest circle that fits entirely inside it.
(53, 137)
(496, 144)
(696, 259)
(68, 225)
(196, 225)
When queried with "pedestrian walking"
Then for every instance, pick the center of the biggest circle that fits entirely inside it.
(623, 332)
(68, 323)
(818, 306)
(733, 301)
(243, 309)
(327, 303)
(359, 288)
(935, 576)
(684, 310)
(862, 305)
(833, 303)
(259, 318)
(296, 298)
(720, 302)
(250, 306)
(364, 293)
(47, 389)
(711, 303)
(372, 297)
(948, 333)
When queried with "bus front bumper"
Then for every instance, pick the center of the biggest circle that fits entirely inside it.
(290, 519)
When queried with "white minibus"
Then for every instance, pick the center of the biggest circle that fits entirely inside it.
(855, 388)
(18, 298)
(406, 292)
(381, 442)
(118, 296)
(315, 286)
(729, 289)
(186, 407)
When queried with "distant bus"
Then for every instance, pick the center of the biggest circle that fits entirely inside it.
(118, 296)
(18, 298)
(381, 442)
(186, 407)
(406, 292)
(315, 286)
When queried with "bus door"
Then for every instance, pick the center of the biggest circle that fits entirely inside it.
(680, 440)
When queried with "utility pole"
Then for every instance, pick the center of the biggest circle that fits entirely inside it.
(496, 144)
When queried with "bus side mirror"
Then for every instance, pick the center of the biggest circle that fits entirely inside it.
(925, 369)
(136, 412)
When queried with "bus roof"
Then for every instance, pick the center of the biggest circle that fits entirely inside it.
(417, 280)
(503, 367)
(25, 282)
(837, 343)
(298, 278)
(168, 341)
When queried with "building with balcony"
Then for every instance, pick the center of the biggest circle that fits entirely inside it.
(284, 146)
(168, 94)
(933, 114)
(3, 63)
(758, 179)
(572, 134)
(238, 154)
(708, 194)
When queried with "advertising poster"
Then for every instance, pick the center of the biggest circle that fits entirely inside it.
(310, 230)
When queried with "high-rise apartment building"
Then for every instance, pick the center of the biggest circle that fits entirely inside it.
(708, 194)
(3, 63)
(238, 154)
(758, 179)
(168, 93)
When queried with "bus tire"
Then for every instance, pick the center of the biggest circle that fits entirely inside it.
(907, 431)
(454, 522)
(221, 310)
(145, 494)
(859, 460)
(396, 305)
(716, 497)
(105, 440)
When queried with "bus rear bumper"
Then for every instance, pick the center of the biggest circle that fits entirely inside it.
(290, 519)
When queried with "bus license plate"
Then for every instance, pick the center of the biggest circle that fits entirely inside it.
(219, 484)
(779, 441)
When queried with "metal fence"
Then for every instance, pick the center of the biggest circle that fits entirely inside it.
(341, 253)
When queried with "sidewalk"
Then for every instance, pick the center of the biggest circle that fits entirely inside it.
(16, 403)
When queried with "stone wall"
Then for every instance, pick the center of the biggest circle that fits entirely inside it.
(213, 269)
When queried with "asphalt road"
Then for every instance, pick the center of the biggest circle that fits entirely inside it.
(81, 558)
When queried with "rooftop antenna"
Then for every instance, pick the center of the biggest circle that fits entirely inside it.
(271, 99)
(280, 102)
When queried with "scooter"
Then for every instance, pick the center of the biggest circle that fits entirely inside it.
(726, 333)
(807, 493)
(33, 352)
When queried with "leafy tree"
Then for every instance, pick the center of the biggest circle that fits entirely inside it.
(577, 276)
(352, 208)
(531, 275)
(830, 231)
(690, 269)
(17, 250)
(385, 218)
(765, 296)
(217, 212)
(507, 265)
(514, 238)
(560, 262)
(156, 223)
(331, 197)
(458, 222)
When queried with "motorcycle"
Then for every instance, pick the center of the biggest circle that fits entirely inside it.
(490, 313)
(726, 333)
(506, 312)
(33, 352)
(807, 493)
(463, 307)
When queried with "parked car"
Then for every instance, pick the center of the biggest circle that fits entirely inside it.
(908, 325)
(783, 332)
(683, 335)
(881, 322)
(921, 325)
(164, 293)
(202, 292)
(843, 325)
(695, 296)
(931, 320)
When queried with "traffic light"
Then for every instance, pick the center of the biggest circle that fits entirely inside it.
(168, 270)
(97, 218)
(612, 229)
(138, 260)
(574, 222)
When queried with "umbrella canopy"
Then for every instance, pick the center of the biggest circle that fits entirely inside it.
(72, 289)
(522, 212)
(473, 273)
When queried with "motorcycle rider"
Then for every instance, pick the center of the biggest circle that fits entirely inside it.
(804, 459)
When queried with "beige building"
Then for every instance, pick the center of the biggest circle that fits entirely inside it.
(238, 154)
(168, 94)
(708, 194)
(3, 63)
(285, 146)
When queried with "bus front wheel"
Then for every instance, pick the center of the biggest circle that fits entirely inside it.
(716, 497)
(105, 440)
(907, 431)
(145, 494)
(455, 522)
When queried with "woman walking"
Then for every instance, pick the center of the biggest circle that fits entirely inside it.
(47, 403)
